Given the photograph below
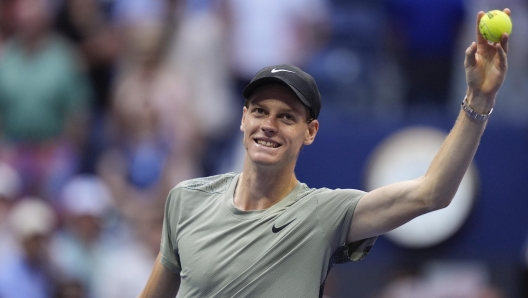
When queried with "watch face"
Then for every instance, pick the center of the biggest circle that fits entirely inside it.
(406, 155)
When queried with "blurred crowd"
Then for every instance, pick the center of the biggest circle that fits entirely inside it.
(105, 105)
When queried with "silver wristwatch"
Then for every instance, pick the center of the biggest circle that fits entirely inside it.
(469, 111)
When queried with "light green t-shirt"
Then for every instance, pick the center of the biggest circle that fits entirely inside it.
(39, 91)
(286, 250)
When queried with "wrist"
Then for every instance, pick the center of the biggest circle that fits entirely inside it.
(479, 103)
(470, 112)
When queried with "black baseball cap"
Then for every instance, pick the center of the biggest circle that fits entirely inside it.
(300, 82)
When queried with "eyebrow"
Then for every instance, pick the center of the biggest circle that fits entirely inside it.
(287, 110)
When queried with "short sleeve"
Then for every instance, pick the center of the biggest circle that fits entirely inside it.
(335, 209)
(169, 246)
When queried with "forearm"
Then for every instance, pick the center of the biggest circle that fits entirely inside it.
(390, 206)
(454, 157)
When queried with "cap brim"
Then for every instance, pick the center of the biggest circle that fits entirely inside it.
(269, 80)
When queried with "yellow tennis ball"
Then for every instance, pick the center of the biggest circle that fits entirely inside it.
(493, 24)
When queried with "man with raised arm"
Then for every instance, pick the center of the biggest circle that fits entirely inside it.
(262, 233)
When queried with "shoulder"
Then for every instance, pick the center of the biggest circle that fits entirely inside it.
(306, 192)
(326, 198)
(211, 184)
(327, 193)
(196, 193)
(348, 195)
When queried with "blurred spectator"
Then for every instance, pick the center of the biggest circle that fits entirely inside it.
(424, 47)
(81, 244)
(44, 99)
(128, 13)
(87, 23)
(10, 183)
(7, 23)
(26, 271)
(269, 32)
(355, 76)
(125, 272)
(154, 145)
(10, 186)
(70, 289)
(199, 50)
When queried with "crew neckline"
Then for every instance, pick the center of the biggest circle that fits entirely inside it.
(250, 214)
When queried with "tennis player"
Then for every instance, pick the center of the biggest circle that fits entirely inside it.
(262, 233)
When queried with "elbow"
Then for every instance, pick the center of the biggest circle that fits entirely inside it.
(435, 196)
(443, 203)
(432, 199)
(439, 201)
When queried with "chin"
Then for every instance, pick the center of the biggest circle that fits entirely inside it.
(262, 160)
(270, 161)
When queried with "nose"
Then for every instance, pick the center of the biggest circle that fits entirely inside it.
(269, 125)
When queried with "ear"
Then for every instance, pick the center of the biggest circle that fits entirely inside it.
(242, 126)
(313, 128)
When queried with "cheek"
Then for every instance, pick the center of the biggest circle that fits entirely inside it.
(246, 136)
(245, 127)
(297, 139)
(245, 123)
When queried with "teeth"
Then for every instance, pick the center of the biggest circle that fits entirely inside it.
(268, 144)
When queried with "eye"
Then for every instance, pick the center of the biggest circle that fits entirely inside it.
(258, 112)
(288, 117)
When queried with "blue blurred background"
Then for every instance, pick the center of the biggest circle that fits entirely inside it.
(105, 105)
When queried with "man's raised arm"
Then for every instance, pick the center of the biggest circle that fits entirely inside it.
(388, 207)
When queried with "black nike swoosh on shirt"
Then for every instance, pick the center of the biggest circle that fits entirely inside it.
(276, 230)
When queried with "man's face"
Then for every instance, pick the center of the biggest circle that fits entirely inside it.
(31, 17)
(275, 126)
(36, 248)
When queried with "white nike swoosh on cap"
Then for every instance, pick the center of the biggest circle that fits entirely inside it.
(279, 70)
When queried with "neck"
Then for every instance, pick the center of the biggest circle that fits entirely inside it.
(259, 188)
(32, 43)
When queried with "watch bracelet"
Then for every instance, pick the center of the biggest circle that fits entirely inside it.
(472, 114)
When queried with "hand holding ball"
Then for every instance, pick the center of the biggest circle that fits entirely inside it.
(493, 24)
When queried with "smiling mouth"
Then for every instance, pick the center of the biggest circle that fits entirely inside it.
(267, 143)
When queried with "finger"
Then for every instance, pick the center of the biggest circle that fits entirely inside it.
(503, 50)
(504, 42)
(507, 11)
(471, 60)
(503, 62)
(480, 38)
